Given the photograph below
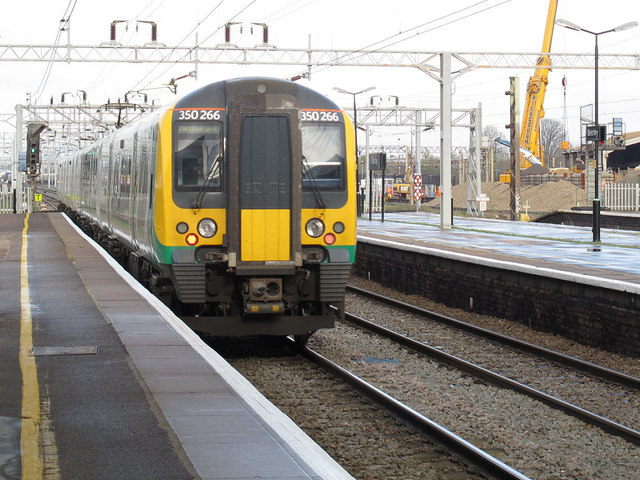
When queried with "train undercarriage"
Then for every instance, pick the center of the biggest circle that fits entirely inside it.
(216, 300)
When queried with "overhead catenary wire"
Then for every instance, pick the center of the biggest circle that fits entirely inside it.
(147, 85)
(137, 85)
(152, 11)
(102, 76)
(366, 49)
(66, 17)
(293, 7)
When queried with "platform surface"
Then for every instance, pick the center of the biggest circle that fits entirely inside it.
(122, 388)
(554, 247)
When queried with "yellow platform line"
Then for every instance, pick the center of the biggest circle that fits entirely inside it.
(30, 433)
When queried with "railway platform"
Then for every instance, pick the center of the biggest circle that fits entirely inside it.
(100, 380)
(556, 248)
(552, 278)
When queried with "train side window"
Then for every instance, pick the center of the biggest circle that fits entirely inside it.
(324, 157)
(196, 149)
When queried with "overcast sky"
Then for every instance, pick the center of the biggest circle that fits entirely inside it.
(456, 26)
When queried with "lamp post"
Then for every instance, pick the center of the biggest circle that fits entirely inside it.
(596, 195)
(355, 126)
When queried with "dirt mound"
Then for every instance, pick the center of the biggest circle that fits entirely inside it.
(631, 177)
(548, 197)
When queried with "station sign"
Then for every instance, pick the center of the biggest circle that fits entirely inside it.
(378, 161)
(596, 133)
(483, 200)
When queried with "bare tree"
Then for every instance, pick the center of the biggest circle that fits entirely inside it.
(493, 133)
(552, 134)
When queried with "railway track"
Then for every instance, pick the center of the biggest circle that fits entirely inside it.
(366, 438)
(500, 380)
(50, 201)
(537, 382)
(528, 415)
(542, 352)
(469, 453)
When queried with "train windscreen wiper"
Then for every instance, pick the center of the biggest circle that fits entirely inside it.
(215, 169)
(314, 185)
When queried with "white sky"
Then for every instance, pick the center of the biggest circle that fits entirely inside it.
(455, 25)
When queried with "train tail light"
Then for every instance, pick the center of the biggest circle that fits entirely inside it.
(329, 239)
(192, 239)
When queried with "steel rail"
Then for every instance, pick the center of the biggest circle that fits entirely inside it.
(452, 442)
(604, 423)
(567, 360)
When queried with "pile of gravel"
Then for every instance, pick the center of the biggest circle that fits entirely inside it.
(547, 197)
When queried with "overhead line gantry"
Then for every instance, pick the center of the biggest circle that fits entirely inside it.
(113, 52)
(438, 65)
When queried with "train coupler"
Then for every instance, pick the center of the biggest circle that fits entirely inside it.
(252, 308)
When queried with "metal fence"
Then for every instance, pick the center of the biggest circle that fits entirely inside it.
(376, 200)
(7, 201)
(622, 196)
(528, 180)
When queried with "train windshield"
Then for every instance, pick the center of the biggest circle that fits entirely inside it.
(197, 154)
(323, 157)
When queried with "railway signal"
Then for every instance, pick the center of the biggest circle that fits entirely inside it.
(33, 148)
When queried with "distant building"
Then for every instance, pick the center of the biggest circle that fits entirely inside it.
(627, 158)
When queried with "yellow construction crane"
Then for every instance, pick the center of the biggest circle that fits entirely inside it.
(534, 104)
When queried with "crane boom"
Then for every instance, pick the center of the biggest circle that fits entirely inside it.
(536, 89)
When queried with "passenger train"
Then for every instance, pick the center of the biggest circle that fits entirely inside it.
(236, 205)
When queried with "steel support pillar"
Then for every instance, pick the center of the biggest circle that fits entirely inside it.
(474, 170)
(446, 209)
(417, 169)
(16, 175)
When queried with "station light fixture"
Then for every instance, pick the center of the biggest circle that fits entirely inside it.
(359, 199)
(596, 196)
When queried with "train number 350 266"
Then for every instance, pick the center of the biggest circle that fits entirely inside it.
(319, 116)
(199, 115)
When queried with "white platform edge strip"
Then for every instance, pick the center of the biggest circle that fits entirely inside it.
(518, 267)
(304, 446)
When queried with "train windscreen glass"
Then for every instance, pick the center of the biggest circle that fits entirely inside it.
(323, 157)
(197, 155)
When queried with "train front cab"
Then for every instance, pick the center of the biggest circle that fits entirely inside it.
(281, 254)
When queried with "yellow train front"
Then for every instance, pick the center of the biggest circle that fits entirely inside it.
(236, 205)
(254, 208)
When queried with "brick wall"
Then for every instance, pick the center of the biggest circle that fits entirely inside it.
(600, 317)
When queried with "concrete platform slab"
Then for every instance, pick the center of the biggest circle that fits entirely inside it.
(155, 401)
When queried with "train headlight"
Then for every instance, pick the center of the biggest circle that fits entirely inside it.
(207, 228)
(314, 227)
(182, 227)
(338, 227)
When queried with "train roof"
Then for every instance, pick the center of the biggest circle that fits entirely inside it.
(290, 94)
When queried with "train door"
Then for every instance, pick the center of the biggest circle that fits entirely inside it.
(141, 204)
(110, 190)
(133, 189)
(264, 179)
